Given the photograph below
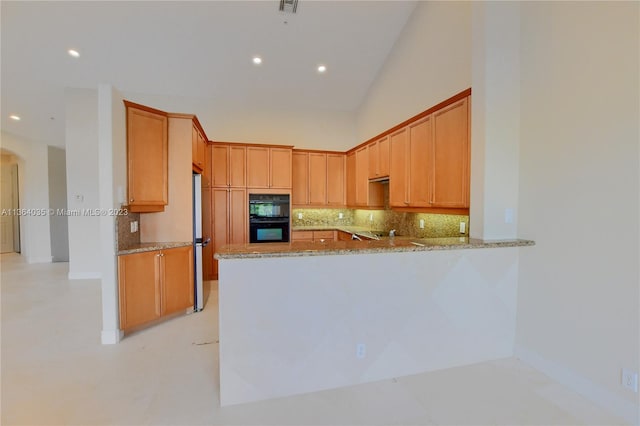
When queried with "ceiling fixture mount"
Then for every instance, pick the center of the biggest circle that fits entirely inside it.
(288, 6)
(73, 53)
(14, 117)
(257, 60)
(322, 68)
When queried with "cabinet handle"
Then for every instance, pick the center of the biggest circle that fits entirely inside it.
(131, 200)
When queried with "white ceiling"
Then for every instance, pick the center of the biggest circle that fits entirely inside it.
(200, 49)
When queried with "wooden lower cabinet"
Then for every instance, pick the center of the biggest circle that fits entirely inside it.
(154, 284)
(313, 235)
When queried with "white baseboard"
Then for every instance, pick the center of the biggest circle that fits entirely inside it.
(581, 385)
(45, 259)
(85, 275)
(111, 337)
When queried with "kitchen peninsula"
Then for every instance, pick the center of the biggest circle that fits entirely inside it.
(305, 316)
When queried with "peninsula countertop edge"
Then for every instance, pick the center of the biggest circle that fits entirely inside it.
(382, 245)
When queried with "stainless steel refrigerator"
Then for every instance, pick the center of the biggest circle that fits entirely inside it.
(198, 243)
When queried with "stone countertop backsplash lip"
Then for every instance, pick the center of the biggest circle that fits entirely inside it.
(143, 247)
(385, 245)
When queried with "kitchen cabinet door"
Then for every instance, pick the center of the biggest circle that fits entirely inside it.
(362, 177)
(258, 167)
(420, 145)
(139, 288)
(317, 179)
(177, 279)
(383, 156)
(237, 166)
(147, 159)
(372, 149)
(351, 179)
(379, 158)
(206, 171)
(220, 165)
(228, 165)
(220, 214)
(207, 228)
(300, 179)
(238, 213)
(198, 147)
(280, 168)
(336, 179)
(230, 223)
(451, 156)
(398, 169)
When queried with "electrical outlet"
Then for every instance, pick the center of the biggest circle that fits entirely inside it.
(421, 223)
(508, 215)
(340, 215)
(463, 227)
(299, 215)
(134, 226)
(370, 217)
(630, 380)
(361, 350)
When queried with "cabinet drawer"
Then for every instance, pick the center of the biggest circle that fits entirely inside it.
(324, 235)
(302, 236)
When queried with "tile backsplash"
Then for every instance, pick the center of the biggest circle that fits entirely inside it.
(125, 237)
(408, 224)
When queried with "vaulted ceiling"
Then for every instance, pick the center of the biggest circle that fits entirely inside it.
(200, 49)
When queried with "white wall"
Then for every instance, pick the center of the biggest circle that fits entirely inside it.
(430, 62)
(35, 240)
(81, 141)
(495, 120)
(578, 305)
(414, 312)
(111, 177)
(58, 200)
(311, 129)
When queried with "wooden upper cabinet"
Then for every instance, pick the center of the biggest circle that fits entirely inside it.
(362, 177)
(198, 148)
(300, 178)
(419, 156)
(451, 156)
(147, 158)
(280, 168)
(398, 169)
(379, 158)
(228, 165)
(206, 171)
(368, 194)
(336, 172)
(268, 167)
(351, 179)
(257, 167)
(317, 178)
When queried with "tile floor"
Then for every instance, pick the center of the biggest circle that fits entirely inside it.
(55, 371)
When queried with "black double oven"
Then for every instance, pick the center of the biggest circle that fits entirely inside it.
(268, 218)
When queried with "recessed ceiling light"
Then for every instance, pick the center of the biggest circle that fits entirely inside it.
(322, 68)
(257, 60)
(14, 117)
(73, 53)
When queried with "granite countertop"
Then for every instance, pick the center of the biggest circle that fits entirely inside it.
(383, 245)
(142, 247)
